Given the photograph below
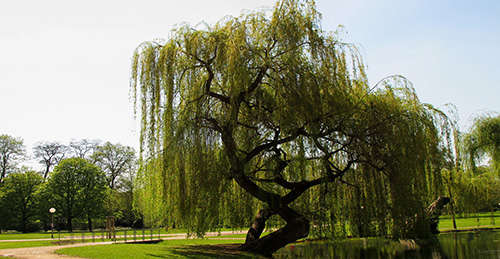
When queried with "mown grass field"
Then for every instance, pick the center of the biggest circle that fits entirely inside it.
(76, 234)
(184, 248)
(97, 233)
(7, 245)
(487, 219)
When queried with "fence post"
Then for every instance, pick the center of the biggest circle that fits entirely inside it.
(151, 233)
(93, 237)
(143, 234)
(135, 235)
(125, 235)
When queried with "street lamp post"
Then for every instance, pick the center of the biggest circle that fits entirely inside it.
(52, 210)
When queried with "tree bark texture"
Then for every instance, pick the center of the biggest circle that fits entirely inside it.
(297, 226)
(70, 224)
(434, 211)
(89, 223)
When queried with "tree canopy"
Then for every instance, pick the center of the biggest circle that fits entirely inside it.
(275, 106)
(77, 188)
(18, 198)
(49, 153)
(483, 141)
(115, 160)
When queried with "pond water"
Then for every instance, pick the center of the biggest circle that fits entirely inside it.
(463, 245)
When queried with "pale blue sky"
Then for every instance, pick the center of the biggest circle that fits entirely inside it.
(64, 65)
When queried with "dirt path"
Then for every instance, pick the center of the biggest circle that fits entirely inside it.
(47, 252)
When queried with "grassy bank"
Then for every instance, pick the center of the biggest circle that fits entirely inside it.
(483, 220)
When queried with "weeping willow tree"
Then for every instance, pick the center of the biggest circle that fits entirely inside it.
(483, 141)
(475, 184)
(271, 113)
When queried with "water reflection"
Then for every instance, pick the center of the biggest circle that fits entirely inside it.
(484, 245)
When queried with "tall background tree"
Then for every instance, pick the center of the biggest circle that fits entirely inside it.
(483, 143)
(83, 148)
(94, 192)
(274, 113)
(119, 164)
(115, 160)
(77, 188)
(475, 179)
(11, 151)
(49, 153)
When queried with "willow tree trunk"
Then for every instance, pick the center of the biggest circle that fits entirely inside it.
(434, 211)
(297, 226)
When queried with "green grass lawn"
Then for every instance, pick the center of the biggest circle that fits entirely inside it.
(11, 236)
(237, 235)
(471, 221)
(7, 245)
(77, 234)
(184, 248)
(55, 242)
(231, 236)
(98, 233)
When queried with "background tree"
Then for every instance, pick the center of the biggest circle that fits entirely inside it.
(121, 200)
(115, 160)
(483, 141)
(4, 213)
(93, 192)
(77, 189)
(19, 199)
(119, 164)
(11, 151)
(83, 148)
(279, 108)
(49, 153)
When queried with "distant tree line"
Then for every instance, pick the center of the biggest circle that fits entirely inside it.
(85, 182)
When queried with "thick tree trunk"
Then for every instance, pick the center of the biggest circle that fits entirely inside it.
(23, 222)
(4, 171)
(297, 227)
(434, 211)
(46, 173)
(258, 225)
(89, 223)
(70, 225)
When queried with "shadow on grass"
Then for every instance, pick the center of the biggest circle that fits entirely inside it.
(212, 251)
